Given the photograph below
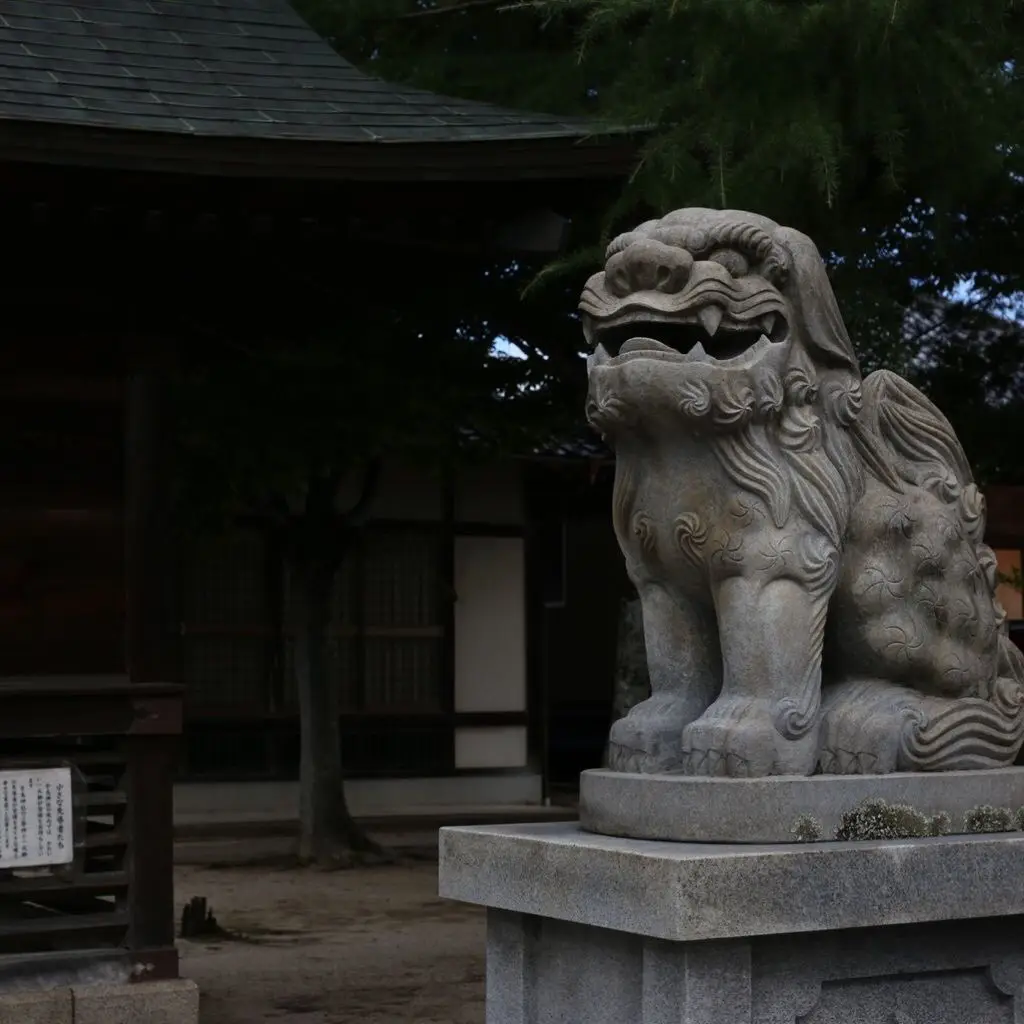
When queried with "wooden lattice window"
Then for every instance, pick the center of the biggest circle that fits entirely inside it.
(402, 622)
(386, 633)
(226, 627)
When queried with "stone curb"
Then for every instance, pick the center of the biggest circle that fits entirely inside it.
(154, 1002)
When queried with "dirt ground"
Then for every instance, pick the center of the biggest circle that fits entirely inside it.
(375, 946)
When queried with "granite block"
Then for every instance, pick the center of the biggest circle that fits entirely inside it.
(685, 808)
(698, 892)
(51, 1006)
(582, 927)
(947, 973)
(151, 1002)
(941, 974)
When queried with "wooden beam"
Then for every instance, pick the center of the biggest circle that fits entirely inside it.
(59, 388)
(149, 541)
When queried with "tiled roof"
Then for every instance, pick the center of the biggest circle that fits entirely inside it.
(221, 69)
(580, 447)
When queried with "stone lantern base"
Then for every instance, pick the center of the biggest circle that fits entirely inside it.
(588, 929)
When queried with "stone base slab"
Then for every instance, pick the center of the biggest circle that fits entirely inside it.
(604, 930)
(155, 1002)
(685, 808)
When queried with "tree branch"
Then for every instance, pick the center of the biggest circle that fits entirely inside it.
(462, 5)
(357, 515)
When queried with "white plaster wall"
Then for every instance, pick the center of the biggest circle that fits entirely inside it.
(490, 624)
(498, 747)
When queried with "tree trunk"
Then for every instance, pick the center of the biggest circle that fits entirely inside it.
(329, 835)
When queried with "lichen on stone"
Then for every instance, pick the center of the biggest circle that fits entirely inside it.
(878, 819)
(807, 829)
(987, 818)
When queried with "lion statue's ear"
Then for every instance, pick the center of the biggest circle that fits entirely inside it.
(810, 292)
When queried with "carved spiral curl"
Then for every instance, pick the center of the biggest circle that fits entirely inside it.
(800, 430)
(643, 529)
(989, 565)
(972, 510)
(820, 561)
(690, 534)
(801, 387)
(694, 399)
(734, 405)
(943, 484)
(792, 720)
(770, 394)
(606, 413)
(844, 400)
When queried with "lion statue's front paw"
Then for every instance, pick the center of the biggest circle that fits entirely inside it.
(738, 738)
(647, 738)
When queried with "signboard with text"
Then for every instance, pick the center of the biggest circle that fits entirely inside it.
(36, 819)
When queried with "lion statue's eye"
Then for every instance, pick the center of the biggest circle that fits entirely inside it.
(734, 262)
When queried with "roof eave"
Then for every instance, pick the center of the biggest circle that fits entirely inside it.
(544, 156)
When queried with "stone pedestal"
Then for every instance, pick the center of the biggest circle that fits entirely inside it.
(698, 809)
(588, 929)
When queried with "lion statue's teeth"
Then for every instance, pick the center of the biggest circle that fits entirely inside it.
(789, 473)
(710, 318)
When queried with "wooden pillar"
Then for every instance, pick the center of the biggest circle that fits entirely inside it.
(151, 749)
(149, 529)
(446, 554)
(150, 648)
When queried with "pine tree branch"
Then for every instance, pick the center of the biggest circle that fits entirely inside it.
(462, 5)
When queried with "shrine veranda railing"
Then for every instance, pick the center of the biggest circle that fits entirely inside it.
(105, 909)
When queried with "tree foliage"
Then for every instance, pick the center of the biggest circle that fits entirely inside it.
(278, 393)
(885, 129)
(831, 115)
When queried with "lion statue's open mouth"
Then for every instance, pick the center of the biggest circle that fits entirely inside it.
(677, 292)
(710, 336)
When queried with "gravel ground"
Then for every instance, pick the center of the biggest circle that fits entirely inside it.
(375, 946)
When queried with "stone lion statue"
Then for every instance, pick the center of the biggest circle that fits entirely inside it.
(807, 545)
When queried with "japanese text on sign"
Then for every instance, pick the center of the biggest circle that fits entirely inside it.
(35, 818)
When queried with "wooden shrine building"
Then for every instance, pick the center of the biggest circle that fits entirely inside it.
(162, 161)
